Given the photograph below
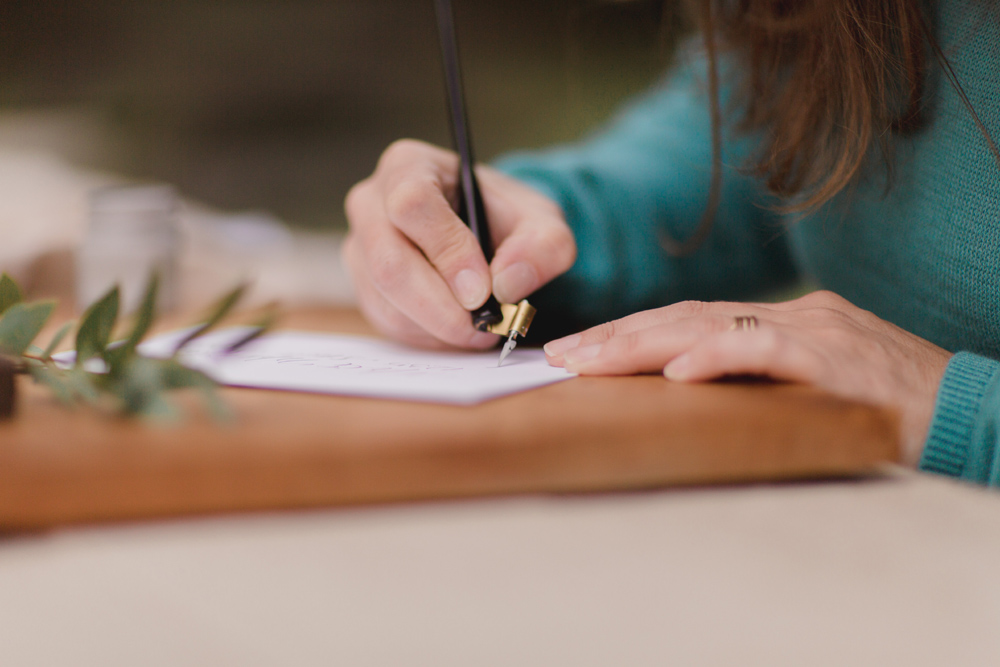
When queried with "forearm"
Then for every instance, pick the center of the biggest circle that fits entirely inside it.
(646, 178)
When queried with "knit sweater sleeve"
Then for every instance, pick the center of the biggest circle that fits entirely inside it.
(964, 438)
(643, 178)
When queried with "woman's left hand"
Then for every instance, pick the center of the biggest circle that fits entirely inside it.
(820, 339)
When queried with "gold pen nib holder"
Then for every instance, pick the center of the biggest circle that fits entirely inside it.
(516, 319)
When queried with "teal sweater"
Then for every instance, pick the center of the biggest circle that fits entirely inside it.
(923, 254)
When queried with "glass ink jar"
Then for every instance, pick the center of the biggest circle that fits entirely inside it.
(133, 231)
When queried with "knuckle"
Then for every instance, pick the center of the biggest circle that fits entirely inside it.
(826, 316)
(406, 203)
(602, 332)
(629, 345)
(838, 323)
(823, 298)
(402, 150)
(450, 248)
(866, 318)
(689, 308)
(613, 329)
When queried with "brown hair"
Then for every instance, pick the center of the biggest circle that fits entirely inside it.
(826, 80)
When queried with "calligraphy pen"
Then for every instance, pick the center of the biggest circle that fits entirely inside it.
(505, 319)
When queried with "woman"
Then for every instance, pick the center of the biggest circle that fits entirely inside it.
(844, 143)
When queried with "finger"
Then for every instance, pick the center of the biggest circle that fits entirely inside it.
(682, 310)
(533, 242)
(720, 313)
(415, 181)
(775, 351)
(386, 319)
(410, 285)
(644, 351)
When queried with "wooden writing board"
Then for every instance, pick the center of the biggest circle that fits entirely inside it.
(289, 450)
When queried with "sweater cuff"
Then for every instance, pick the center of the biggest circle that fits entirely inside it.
(959, 397)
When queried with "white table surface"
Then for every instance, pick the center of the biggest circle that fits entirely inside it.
(899, 570)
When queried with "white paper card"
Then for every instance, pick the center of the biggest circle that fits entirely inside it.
(360, 366)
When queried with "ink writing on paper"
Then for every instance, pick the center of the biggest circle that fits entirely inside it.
(360, 366)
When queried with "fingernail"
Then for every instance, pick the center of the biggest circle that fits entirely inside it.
(515, 282)
(470, 289)
(559, 346)
(581, 355)
(679, 368)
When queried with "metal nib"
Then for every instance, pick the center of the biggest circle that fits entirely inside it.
(508, 347)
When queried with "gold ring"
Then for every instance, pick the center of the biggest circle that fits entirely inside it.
(743, 323)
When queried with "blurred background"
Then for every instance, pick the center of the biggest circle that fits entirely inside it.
(277, 107)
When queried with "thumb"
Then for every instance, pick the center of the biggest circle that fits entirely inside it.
(534, 253)
(533, 242)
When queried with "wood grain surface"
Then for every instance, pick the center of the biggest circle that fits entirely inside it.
(292, 450)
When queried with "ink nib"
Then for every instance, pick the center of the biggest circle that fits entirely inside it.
(508, 347)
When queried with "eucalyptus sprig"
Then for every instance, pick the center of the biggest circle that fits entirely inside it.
(109, 370)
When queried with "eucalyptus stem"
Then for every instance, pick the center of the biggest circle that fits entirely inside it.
(131, 382)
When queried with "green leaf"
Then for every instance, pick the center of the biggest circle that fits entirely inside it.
(139, 386)
(58, 338)
(249, 337)
(56, 381)
(10, 293)
(141, 389)
(177, 376)
(119, 354)
(222, 308)
(95, 328)
(21, 323)
(117, 361)
(159, 409)
(84, 385)
(68, 386)
(144, 316)
(257, 330)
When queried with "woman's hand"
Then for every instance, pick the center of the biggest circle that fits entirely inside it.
(820, 339)
(418, 269)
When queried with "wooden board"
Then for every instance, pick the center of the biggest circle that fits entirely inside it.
(290, 450)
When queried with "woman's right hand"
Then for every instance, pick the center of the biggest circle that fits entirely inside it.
(418, 269)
